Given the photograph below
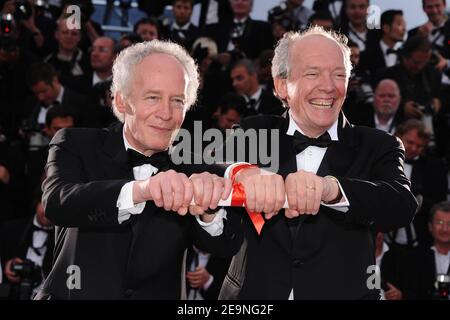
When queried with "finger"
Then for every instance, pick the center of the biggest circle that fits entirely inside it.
(269, 215)
(177, 191)
(167, 196)
(182, 211)
(280, 194)
(196, 210)
(250, 197)
(218, 185)
(208, 187)
(260, 194)
(310, 193)
(270, 192)
(198, 190)
(155, 191)
(289, 213)
(291, 192)
(318, 196)
(301, 194)
(227, 189)
(188, 191)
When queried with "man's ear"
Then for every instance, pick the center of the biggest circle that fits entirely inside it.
(280, 87)
(120, 102)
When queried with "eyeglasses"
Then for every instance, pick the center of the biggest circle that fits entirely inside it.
(441, 223)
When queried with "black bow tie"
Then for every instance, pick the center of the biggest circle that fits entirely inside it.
(251, 103)
(239, 24)
(36, 228)
(437, 30)
(391, 51)
(301, 142)
(160, 160)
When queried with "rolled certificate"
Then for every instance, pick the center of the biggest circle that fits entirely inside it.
(237, 198)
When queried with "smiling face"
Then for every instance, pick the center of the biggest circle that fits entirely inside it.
(317, 84)
(435, 10)
(154, 109)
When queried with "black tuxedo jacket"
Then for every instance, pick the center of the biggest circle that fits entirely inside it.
(256, 38)
(138, 259)
(425, 266)
(372, 59)
(224, 11)
(79, 104)
(329, 254)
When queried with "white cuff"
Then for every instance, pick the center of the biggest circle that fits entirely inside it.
(126, 205)
(227, 172)
(215, 227)
(208, 283)
(342, 205)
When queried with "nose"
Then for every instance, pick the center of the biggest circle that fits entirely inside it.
(164, 110)
(326, 83)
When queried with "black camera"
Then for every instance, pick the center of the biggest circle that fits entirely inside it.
(281, 15)
(30, 277)
(8, 39)
(27, 270)
(442, 287)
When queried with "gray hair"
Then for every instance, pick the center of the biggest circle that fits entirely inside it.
(443, 206)
(281, 61)
(127, 60)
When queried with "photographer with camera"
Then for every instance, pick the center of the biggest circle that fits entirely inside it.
(29, 35)
(242, 34)
(433, 263)
(292, 14)
(419, 82)
(27, 251)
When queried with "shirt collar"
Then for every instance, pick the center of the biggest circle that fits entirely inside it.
(96, 79)
(176, 26)
(377, 122)
(384, 46)
(332, 131)
(240, 21)
(256, 95)
(126, 143)
(436, 251)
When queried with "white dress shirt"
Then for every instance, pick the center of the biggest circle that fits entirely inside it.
(388, 128)
(43, 111)
(257, 97)
(240, 32)
(401, 237)
(359, 38)
(390, 59)
(127, 207)
(39, 244)
(442, 261)
(203, 258)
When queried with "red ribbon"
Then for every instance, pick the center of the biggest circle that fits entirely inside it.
(238, 200)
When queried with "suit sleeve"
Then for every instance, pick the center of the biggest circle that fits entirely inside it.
(384, 201)
(69, 199)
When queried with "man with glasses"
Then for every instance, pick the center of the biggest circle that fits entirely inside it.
(435, 260)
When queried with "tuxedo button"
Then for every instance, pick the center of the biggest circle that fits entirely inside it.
(297, 263)
(128, 293)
